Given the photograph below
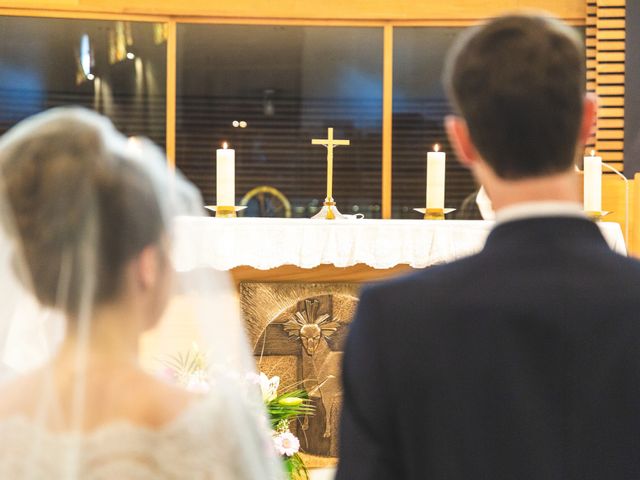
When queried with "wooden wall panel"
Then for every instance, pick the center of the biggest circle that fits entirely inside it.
(573, 10)
(614, 200)
(634, 241)
(606, 64)
(591, 43)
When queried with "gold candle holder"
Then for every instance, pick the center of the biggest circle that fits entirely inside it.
(434, 213)
(596, 216)
(225, 212)
(329, 211)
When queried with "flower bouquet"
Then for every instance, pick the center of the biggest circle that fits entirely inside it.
(191, 371)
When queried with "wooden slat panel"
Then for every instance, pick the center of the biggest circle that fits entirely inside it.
(611, 57)
(610, 23)
(591, 61)
(610, 90)
(610, 35)
(609, 67)
(612, 12)
(611, 3)
(610, 45)
(610, 156)
(606, 112)
(610, 79)
(617, 165)
(611, 123)
(610, 145)
(604, 134)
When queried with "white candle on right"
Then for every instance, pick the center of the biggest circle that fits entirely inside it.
(436, 163)
(592, 183)
(225, 176)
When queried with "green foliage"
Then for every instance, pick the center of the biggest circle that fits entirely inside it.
(282, 410)
(289, 406)
(295, 468)
(186, 364)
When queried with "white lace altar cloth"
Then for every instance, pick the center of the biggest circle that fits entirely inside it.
(266, 243)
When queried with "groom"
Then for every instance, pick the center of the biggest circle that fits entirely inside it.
(521, 362)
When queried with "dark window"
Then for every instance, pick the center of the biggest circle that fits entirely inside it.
(289, 84)
(419, 109)
(48, 62)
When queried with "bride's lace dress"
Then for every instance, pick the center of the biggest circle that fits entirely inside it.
(199, 444)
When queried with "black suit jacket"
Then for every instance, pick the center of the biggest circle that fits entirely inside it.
(521, 362)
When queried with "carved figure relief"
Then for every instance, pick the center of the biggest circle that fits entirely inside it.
(323, 364)
(298, 332)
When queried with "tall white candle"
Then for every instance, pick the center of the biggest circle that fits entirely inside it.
(225, 176)
(592, 183)
(436, 162)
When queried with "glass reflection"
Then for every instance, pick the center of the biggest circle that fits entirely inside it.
(269, 90)
(419, 109)
(116, 68)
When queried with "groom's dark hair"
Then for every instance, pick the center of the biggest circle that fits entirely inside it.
(519, 83)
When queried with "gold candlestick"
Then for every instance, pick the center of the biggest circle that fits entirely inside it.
(434, 213)
(225, 212)
(329, 210)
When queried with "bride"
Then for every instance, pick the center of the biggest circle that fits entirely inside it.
(86, 274)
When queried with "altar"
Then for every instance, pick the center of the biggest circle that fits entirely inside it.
(264, 244)
(298, 282)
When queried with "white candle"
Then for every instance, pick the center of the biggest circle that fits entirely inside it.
(225, 176)
(436, 162)
(592, 183)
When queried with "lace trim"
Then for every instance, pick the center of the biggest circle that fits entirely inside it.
(183, 448)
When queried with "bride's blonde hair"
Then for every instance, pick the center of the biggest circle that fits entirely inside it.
(64, 189)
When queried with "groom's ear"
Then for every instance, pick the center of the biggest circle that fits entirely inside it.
(147, 267)
(459, 137)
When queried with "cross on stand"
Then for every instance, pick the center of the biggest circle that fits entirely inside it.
(329, 210)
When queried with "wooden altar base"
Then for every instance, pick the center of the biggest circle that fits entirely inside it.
(323, 273)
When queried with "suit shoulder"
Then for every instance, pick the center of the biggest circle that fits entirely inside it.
(434, 278)
(626, 267)
(632, 263)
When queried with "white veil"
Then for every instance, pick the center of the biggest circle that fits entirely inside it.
(72, 224)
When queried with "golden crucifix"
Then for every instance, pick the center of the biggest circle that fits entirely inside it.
(329, 210)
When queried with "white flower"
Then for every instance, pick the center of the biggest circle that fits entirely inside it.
(269, 387)
(197, 383)
(286, 443)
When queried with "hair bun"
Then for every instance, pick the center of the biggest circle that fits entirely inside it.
(74, 204)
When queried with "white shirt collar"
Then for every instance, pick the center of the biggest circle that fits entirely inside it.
(526, 210)
(484, 205)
